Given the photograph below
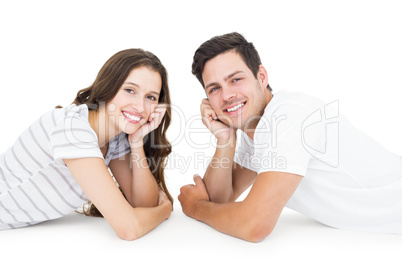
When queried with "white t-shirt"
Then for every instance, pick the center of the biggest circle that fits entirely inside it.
(35, 184)
(349, 180)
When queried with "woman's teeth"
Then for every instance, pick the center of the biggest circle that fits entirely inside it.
(235, 108)
(132, 117)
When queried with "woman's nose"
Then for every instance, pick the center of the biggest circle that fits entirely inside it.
(138, 105)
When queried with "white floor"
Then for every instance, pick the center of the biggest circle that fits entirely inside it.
(80, 241)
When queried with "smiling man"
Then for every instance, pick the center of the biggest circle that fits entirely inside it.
(296, 151)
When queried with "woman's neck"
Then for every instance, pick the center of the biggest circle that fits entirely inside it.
(100, 124)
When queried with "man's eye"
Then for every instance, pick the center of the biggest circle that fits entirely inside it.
(213, 89)
(236, 79)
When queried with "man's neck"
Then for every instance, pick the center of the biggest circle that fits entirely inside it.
(252, 127)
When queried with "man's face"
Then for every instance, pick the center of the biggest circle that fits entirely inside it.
(237, 97)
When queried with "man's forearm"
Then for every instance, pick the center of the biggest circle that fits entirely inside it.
(232, 218)
(218, 176)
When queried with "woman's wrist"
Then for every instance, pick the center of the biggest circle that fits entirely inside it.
(167, 207)
(137, 144)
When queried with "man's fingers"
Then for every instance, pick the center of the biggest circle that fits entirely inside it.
(206, 109)
(198, 180)
(208, 112)
(205, 101)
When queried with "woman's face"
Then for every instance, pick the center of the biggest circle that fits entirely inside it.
(136, 99)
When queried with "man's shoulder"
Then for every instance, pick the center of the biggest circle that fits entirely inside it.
(289, 100)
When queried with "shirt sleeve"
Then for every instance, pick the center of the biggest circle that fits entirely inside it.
(73, 136)
(280, 141)
(244, 151)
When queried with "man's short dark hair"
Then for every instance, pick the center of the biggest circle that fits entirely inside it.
(224, 43)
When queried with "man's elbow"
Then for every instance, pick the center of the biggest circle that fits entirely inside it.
(259, 231)
(219, 197)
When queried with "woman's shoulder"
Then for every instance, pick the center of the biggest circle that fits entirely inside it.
(70, 112)
(72, 118)
(76, 110)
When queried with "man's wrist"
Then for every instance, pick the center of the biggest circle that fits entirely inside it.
(199, 208)
(228, 142)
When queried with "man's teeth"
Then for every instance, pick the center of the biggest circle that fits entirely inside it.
(132, 117)
(235, 108)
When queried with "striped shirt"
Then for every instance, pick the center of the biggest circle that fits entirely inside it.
(35, 184)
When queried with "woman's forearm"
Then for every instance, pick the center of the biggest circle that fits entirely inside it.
(145, 220)
(144, 190)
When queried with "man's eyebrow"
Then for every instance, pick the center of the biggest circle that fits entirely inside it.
(211, 84)
(231, 75)
(134, 84)
(225, 79)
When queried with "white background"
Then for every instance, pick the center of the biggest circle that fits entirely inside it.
(336, 50)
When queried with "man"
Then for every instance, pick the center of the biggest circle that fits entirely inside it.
(295, 150)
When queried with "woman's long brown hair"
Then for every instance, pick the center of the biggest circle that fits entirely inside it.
(105, 87)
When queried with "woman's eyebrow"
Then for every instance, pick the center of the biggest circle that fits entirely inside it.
(136, 85)
(154, 92)
(131, 83)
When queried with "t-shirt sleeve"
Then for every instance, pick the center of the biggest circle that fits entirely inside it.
(280, 143)
(73, 137)
(243, 153)
(122, 146)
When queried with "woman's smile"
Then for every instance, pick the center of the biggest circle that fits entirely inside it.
(132, 117)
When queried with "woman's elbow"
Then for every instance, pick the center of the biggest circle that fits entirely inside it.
(129, 230)
(128, 234)
(144, 202)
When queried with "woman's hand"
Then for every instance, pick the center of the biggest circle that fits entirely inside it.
(164, 200)
(154, 120)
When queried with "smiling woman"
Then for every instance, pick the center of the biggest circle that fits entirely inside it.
(61, 160)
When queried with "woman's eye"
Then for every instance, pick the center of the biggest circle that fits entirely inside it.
(129, 90)
(151, 98)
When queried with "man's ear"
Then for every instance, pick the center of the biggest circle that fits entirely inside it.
(262, 76)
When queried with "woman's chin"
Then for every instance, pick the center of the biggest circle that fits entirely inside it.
(130, 129)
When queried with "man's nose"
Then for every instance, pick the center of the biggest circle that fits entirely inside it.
(228, 94)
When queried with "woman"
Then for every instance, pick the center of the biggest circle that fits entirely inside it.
(62, 160)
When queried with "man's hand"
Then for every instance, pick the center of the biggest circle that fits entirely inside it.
(191, 195)
(221, 131)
